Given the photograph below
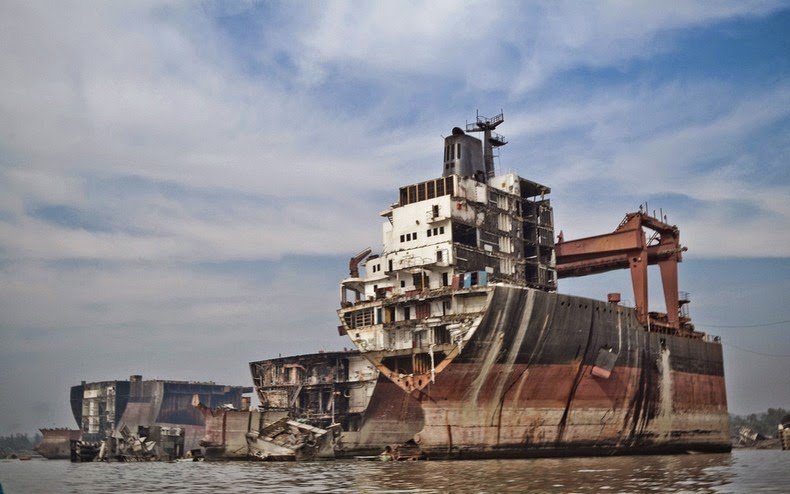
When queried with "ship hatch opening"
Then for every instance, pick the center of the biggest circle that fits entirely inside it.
(401, 364)
(418, 363)
(422, 363)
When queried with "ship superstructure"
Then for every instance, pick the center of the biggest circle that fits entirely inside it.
(445, 241)
(460, 310)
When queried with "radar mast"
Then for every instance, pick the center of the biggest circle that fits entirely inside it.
(491, 139)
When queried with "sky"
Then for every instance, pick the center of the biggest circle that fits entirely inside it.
(182, 183)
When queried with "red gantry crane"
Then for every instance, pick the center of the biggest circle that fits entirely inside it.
(628, 247)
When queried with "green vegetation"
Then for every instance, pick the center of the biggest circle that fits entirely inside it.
(763, 423)
(18, 443)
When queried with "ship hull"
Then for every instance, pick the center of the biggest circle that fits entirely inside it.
(535, 380)
(56, 443)
(392, 417)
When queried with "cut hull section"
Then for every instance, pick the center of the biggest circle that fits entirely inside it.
(524, 385)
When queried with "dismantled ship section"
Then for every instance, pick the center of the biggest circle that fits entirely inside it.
(56, 443)
(322, 388)
(305, 403)
(460, 311)
(315, 406)
(152, 414)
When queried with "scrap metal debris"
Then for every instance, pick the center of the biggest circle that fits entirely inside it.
(154, 443)
(289, 440)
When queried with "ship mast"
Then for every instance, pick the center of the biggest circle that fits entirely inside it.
(491, 139)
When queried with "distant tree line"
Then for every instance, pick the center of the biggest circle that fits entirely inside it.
(764, 423)
(18, 443)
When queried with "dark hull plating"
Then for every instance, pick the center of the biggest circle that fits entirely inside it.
(523, 386)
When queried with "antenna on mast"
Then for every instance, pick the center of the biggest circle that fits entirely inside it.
(491, 139)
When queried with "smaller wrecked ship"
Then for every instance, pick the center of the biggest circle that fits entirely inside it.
(311, 406)
(56, 443)
(140, 419)
(461, 315)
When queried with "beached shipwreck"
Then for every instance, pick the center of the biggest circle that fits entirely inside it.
(470, 351)
(311, 407)
(138, 420)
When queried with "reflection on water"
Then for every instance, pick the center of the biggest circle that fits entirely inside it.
(742, 471)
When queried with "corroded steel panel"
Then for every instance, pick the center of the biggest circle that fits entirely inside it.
(524, 386)
(392, 417)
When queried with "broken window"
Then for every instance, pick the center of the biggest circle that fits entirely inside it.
(449, 184)
(358, 318)
(438, 256)
(445, 279)
(427, 190)
(441, 336)
(402, 238)
(390, 261)
(412, 194)
(420, 339)
(464, 234)
(418, 279)
(406, 313)
(423, 310)
(428, 232)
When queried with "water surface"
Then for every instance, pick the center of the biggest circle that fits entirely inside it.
(742, 471)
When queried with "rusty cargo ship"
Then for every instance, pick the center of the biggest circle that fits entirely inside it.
(479, 355)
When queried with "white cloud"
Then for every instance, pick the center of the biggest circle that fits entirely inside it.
(512, 46)
(706, 143)
(141, 95)
(194, 143)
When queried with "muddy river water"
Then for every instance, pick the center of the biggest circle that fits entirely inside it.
(742, 471)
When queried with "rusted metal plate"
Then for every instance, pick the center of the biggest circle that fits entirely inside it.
(537, 394)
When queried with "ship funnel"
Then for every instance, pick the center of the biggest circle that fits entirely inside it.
(463, 155)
